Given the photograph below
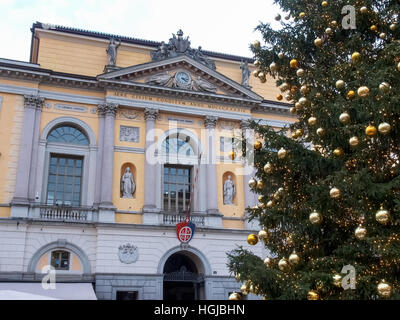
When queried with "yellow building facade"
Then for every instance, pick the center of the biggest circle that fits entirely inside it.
(108, 142)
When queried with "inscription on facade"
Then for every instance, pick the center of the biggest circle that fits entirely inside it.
(70, 108)
(179, 102)
(129, 134)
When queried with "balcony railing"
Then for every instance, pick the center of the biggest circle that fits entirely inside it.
(64, 213)
(174, 218)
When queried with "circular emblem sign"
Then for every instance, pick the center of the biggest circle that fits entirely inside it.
(185, 231)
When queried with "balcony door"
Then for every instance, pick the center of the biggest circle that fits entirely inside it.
(176, 190)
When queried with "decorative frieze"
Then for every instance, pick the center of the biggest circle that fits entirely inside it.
(33, 102)
(107, 109)
(129, 134)
(129, 114)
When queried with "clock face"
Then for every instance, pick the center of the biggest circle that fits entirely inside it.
(183, 78)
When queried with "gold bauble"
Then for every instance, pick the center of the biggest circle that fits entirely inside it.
(232, 155)
(384, 87)
(257, 63)
(263, 234)
(304, 89)
(244, 290)
(252, 183)
(338, 152)
(312, 295)
(312, 121)
(324, 3)
(260, 185)
(281, 55)
(318, 95)
(282, 153)
(263, 80)
(373, 28)
(273, 67)
(235, 296)
(268, 262)
(393, 26)
(260, 198)
(278, 17)
(237, 277)
(288, 96)
(279, 97)
(337, 280)
(398, 66)
(356, 56)
(363, 9)
(257, 145)
(318, 42)
(294, 258)
(382, 216)
(340, 84)
(300, 72)
(255, 73)
(360, 232)
(363, 91)
(370, 131)
(351, 94)
(320, 132)
(315, 218)
(268, 168)
(334, 193)
(344, 118)
(298, 106)
(299, 132)
(252, 239)
(303, 101)
(302, 15)
(284, 87)
(294, 64)
(384, 128)
(292, 110)
(270, 204)
(283, 264)
(354, 141)
(261, 74)
(384, 289)
(334, 23)
(256, 44)
(382, 35)
(328, 31)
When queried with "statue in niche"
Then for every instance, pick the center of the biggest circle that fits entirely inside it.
(229, 191)
(245, 73)
(161, 79)
(127, 184)
(112, 52)
(202, 85)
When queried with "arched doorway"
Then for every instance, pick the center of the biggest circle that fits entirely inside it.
(182, 278)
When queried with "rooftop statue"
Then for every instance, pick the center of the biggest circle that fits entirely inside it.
(112, 52)
(178, 45)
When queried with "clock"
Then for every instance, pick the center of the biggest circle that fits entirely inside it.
(182, 79)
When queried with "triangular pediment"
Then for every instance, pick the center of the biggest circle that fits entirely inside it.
(180, 73)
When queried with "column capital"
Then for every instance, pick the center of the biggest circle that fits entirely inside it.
(210, 122)
(245, 124)
(107, 108)
(33, 102)
(150, 114)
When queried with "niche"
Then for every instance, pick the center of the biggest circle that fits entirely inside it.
(126, 183)
(226, 200)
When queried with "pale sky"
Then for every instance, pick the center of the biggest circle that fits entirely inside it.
(225, 26)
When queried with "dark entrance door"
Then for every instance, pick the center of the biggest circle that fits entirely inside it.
(181, 279)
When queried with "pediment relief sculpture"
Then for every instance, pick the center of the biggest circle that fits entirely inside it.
(181, 80)
(178, 45)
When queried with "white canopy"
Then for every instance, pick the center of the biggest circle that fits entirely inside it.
(35, 291)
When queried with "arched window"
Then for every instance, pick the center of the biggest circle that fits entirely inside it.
(60, 260)
(68, 134)
(178, 144)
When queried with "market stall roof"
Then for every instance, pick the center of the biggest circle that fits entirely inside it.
(35, 291)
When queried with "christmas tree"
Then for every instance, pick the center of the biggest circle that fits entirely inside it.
(328, 185)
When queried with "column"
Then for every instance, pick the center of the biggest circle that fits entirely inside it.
(106, 207)
(250, 198)
(215, 218)
(20, 201)
(150, 211)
